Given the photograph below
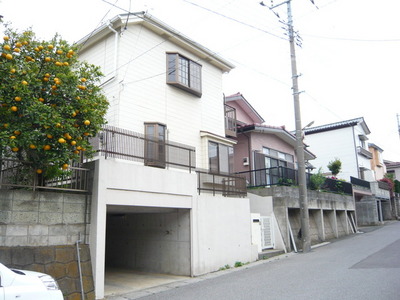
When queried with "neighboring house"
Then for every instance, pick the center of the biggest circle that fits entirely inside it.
(166, 156)
(261, 146)
(393, 168)
(377, 164)
(266, 156)
(347, 141)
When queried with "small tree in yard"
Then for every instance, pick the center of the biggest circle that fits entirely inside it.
(335, 166)
(50, 104)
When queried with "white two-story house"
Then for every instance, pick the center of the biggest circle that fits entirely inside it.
(164, 199)
(345, 140)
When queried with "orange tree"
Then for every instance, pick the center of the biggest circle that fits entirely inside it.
(50, 103)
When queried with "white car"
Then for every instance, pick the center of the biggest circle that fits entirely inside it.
(27, 285)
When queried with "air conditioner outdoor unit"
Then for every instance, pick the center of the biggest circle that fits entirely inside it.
(245, 161)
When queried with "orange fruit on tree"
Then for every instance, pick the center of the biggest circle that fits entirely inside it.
(32, 146)
(49, 136)
(86, 122)
(17, 132)
(83, 79)
(7, 47)
(46, 147)
(17, 98)
(12, 71)
(65, 166)
(13, 137)
(14, 108)
(41, 99)
(9, 56)
(24, 82)
(73, 143)
(6, 38)
(18, 44)
(17, 50)
(47, 59)
(39, 171)
(61, 140)
(50, 47)
(15, 149)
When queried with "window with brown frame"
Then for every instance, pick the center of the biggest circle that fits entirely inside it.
(220, 158)
(154, 146)
(184, 73)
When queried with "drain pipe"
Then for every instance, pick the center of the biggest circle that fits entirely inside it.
(79, 266)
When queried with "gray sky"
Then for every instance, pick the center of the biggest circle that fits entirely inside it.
(349, 59)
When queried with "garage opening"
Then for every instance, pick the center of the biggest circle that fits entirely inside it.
(142, 243)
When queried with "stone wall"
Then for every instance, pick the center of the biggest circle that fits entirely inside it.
(61, 262)
(39, 231)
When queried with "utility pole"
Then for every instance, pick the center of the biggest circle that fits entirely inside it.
(301, 167)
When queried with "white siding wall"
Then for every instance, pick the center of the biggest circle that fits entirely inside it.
(140, 94)
(333, 144)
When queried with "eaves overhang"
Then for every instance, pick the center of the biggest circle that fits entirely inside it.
(280, 132)
(160, 28)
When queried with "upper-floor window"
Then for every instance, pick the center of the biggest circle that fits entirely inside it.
(154, 146)
(184, 73)
(220, 158)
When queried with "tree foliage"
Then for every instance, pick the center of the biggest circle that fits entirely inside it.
(335, 166)
(50, 103)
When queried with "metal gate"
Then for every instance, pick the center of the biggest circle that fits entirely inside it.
(267, 233)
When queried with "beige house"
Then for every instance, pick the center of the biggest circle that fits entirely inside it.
(164, 198)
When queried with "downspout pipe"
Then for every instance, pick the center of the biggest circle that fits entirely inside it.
(116, 40)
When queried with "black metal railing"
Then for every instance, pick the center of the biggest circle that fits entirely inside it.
(288, 176)
(129, 145)
(272, 176)
(338, 186)
(360, 182)
(19, 174)
(227, 185)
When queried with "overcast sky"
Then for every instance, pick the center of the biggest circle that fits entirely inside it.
(349, 57)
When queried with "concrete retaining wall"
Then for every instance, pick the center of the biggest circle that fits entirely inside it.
(328, 213)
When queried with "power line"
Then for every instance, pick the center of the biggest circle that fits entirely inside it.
(351, 39)
(235, 20)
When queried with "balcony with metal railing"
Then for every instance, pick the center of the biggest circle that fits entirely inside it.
(225, 184)
(284, 176)
(15, 174)
(113, 142)
(230, 121)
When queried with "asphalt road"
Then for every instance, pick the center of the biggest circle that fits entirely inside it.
(364, 266)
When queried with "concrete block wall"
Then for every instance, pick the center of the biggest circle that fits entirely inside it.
(39, 231)
(30, 218)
